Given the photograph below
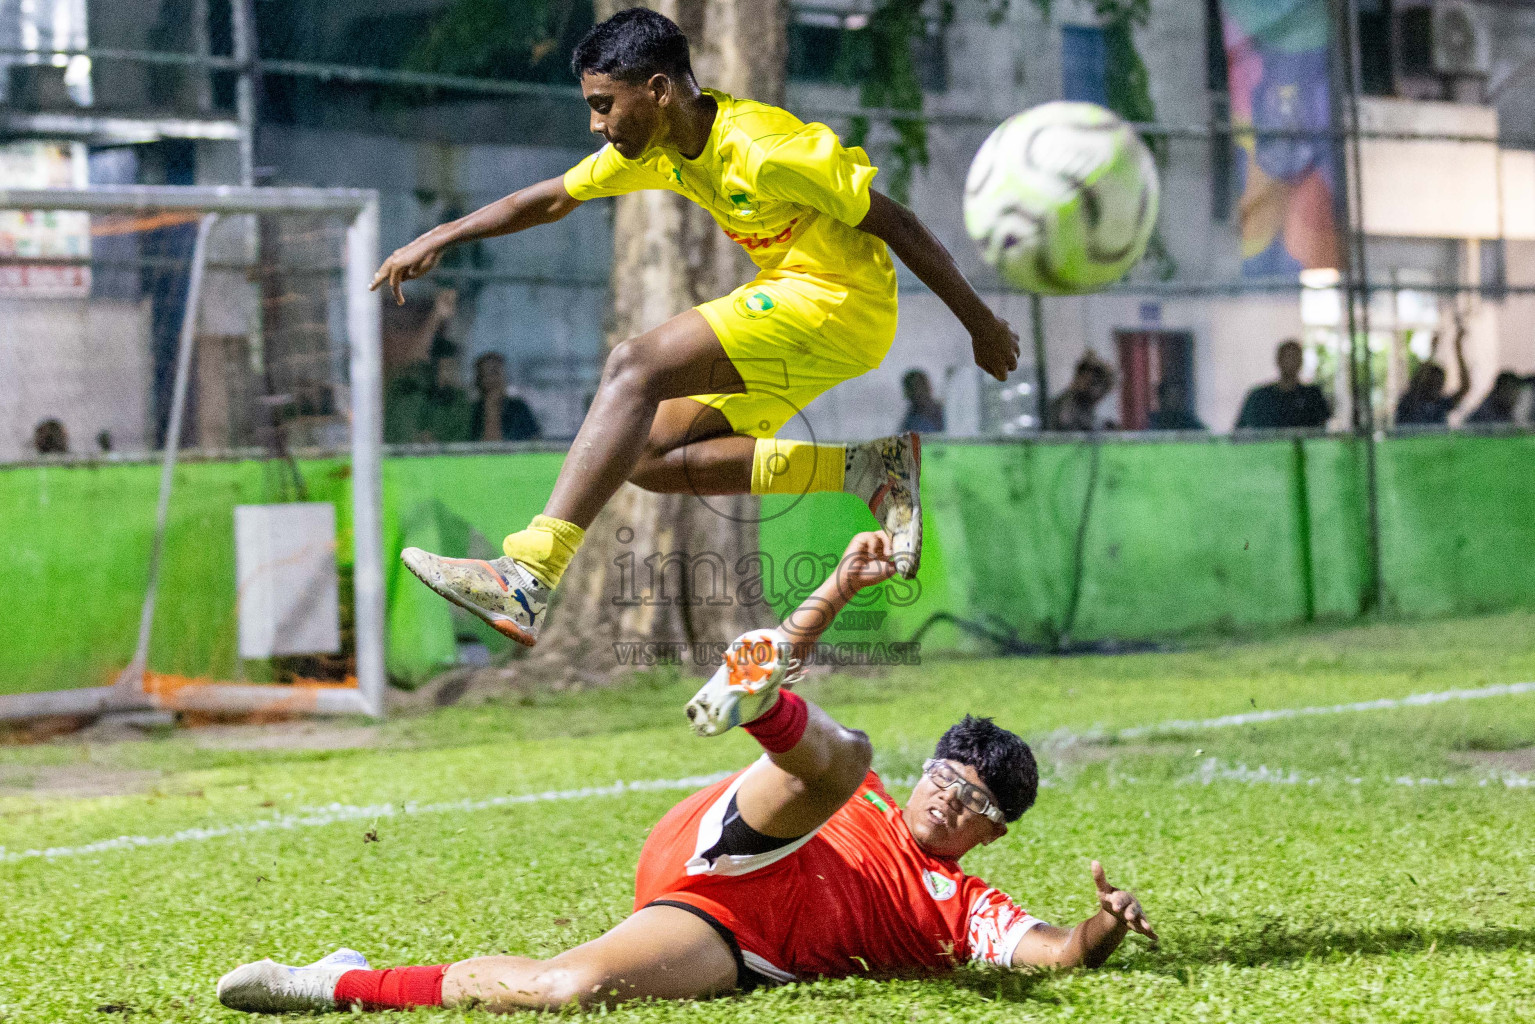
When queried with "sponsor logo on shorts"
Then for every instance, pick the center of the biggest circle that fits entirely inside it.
(755, 305)
(940, 887)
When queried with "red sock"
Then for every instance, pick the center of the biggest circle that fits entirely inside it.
(397, 988)
(782, 725)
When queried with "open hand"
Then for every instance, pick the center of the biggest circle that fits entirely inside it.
(406, 264)
(1122, 904)
(865, 563)
(995, 345)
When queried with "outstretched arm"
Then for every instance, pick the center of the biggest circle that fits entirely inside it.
(542, 203)
(1089, 943)
(865, 563)
(1460, 362)
(994, 343)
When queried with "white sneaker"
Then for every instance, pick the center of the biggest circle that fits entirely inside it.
(886, 474)
(501, 592)
(270, 987)
(746, 684)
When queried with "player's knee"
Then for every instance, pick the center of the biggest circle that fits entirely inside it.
(629, 365)
(560, 986)
(648, 473)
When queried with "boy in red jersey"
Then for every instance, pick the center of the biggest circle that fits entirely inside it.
(799, 866)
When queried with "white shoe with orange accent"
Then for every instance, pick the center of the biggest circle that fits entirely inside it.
(270, 987)
(887, 474)
(746, 684)
(501, 592)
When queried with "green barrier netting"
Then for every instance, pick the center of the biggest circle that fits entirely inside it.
(77, 542)
(1177, 537)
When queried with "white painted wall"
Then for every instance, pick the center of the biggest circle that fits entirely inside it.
(83, 363)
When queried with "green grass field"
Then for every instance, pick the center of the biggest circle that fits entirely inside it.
(1292, 870)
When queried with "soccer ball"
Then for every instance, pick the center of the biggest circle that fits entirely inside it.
(1062, 199)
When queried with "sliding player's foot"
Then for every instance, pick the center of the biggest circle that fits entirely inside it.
(270, 987)
(746, 683)
(501, 592)
(886, 475)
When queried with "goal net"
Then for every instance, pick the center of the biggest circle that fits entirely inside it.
(189, 451)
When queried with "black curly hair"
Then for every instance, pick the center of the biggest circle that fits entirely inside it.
(631, 46)
(1001, 758)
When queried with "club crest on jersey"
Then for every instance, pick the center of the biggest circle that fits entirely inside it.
(755, 305)
(940, 887)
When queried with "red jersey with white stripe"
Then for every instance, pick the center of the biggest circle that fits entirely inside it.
(858, 896)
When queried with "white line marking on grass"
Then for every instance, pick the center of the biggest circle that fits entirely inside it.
(1212, 770)
(1279, 714)
(333, 813)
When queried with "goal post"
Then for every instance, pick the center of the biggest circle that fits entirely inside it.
(228, 338)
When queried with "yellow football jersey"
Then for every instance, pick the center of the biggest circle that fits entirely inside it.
(788, 192)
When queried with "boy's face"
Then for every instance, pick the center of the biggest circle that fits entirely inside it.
(626, 114)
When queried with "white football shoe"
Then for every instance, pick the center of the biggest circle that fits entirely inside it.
(746, 684)
(886, 474)
(267, 986)
(501, 591)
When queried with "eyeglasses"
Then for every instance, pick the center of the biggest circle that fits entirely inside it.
(971, 796)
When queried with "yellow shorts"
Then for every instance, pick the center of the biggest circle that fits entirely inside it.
(792, 336)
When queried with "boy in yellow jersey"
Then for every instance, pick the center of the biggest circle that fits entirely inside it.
(693, 405)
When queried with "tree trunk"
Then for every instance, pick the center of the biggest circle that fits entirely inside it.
(670, 569)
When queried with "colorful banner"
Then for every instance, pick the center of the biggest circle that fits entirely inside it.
(41, 250)
(1277, 63)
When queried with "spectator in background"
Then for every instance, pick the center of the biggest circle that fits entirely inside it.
(1075, 408)
(424, 404)
(1172, 411)
(498, 415)
(410, 330)
(1286, 403)
(1502, 400)
(1425, 403)
(50, 438)
(924, 413)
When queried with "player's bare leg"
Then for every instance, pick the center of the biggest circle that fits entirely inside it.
(692, 449)
(642, 426)
(681, 357)
(659, 952)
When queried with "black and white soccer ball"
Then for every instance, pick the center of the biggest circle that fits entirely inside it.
(1062, 199)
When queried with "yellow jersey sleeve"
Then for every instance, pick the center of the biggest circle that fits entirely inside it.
(812, 168)
(605, 173)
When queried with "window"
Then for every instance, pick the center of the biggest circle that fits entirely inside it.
(1084, 64)
(1156, 383)
(1217, 78)
(1374, 28)
(815, 46)
(1218, 82)
(834, 47)
(1416, 26)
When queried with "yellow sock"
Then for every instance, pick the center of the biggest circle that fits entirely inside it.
(545, 548)
(797, 467)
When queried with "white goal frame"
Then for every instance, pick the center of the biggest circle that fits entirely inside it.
(364, 337)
